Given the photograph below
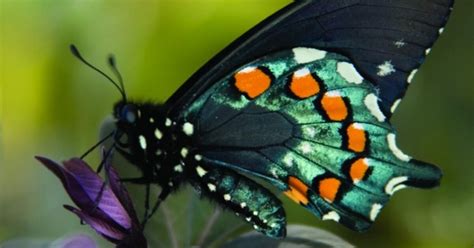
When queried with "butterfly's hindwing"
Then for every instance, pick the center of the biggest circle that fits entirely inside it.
(306, 121)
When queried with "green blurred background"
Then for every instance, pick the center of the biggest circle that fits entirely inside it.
(52, 105)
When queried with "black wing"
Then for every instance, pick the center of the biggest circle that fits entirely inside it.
(387, 40)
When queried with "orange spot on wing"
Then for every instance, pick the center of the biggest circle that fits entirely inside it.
(298, 191)
(328, 188)
(252, 81)
(335, 107)
(356, 137)
(358, 170)
(304, 86)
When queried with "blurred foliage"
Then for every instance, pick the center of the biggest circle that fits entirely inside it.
(52, 105)
(298, 236)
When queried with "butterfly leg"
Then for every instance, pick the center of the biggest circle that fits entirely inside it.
(161, 197)
(146, 179)
(245, 197)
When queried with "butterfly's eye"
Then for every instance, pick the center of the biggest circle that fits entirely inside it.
(129, 113)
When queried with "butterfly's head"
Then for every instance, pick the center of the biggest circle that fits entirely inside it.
(140, 134)
(136, 121)
(137, 115)
(126, 113)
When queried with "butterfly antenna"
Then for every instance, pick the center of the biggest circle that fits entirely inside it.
(76, 54)
(113, 65)
(97, 144)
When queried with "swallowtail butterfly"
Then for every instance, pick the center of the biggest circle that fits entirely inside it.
(302, 101)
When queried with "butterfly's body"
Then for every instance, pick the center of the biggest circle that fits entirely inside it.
(163, 150)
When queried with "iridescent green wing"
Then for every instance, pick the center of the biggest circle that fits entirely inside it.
(306, 121)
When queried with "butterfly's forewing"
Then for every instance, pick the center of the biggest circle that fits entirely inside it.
(306, 121)
(385, 40)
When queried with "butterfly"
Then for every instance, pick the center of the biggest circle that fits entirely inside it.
(302, 101)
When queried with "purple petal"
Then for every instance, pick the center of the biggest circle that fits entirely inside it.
(121, 192)
(53, 167)
(91, 184)
(72, 186)
(75, 241)
(103, 228)
(83, 186)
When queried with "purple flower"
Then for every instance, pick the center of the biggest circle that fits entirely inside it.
(111, 214)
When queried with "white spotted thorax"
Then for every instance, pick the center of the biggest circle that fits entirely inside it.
(159, 144)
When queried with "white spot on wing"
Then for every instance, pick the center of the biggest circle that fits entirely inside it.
(188, 129)
(305, 148)
(288, 160)
(411, 76)
(227, 197)
(441, 30)
(274, 173)
(248, 69)
(255, 213)
(427, 51)
(243, 204)
(399, 187)
(400, 43)
(333, 93)
(375, 211)
(371, 102)
(310, 131)
(332, 216)
(211, 187)
(358, 126)
(395, 150)
(395, 105)
(385, 69)
(201, 171)
(302, 72)
(142, 141)
(304, 55)
(395, 184)
(349, 72)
